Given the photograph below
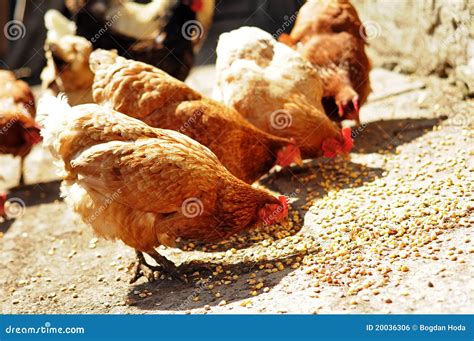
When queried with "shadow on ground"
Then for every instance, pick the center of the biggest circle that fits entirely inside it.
(32, 195)
(201, 290)
(305, 183)
(387, 135)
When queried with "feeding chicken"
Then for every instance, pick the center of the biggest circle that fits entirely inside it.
(331, 36)
(148, 186)
(67, 55)
(149, 94)
(18, 130)
(276, 90)
(163, 33)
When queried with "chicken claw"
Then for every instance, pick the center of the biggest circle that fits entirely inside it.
(142, 268)
(165, 266)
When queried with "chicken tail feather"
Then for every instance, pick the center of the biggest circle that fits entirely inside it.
(53, 114)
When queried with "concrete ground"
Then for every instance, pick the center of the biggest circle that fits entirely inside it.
(388, 231)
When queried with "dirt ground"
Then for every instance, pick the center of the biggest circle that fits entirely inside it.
(388, 231)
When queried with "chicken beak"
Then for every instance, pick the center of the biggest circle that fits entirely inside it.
(298, 160)
(285, 223)
(340, 110)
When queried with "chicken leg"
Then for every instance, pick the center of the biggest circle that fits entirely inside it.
(165, 266)
(22, 176)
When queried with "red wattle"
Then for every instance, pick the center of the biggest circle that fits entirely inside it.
(330, 147)
(348, 141)
(340, 110)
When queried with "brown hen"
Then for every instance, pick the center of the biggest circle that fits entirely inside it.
(331, 36)
(148, 186)
(149, 94)
(18, 130)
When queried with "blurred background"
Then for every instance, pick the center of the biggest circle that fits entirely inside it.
(422, 37)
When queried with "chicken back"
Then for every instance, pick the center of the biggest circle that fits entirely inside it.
(149, 94)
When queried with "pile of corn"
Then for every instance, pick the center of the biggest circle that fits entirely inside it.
(363, 227)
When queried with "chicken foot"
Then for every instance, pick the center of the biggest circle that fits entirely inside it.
(142, 268)
(165, 266)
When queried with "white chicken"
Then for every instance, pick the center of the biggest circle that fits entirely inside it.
(276, 90)
(67, 69)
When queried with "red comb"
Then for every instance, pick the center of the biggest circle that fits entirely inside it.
(331, 147)
(196, 5)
